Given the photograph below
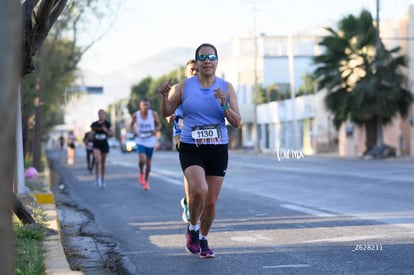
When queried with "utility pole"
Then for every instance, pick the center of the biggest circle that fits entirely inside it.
(255, 92)
(378, 49)
(113, 118)
(292, 89)
(255, 97)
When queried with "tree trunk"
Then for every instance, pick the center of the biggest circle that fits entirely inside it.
(10, 73)
(25, 125)
(370, 134)
(38, 129)
(379, 140)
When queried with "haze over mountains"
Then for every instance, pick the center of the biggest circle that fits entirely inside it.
(117, 84)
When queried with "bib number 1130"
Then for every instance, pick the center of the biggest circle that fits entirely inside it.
(206, 132)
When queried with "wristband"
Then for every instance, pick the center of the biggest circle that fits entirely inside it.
(226, 107)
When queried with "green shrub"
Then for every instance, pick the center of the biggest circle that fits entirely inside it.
(29, 249)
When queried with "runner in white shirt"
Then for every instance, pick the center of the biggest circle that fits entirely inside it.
(144, 125)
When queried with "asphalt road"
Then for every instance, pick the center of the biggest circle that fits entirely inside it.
(303, 215)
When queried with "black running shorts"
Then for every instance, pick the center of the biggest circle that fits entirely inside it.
(213, 158)
(101, 145)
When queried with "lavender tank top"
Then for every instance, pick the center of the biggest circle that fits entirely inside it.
(204, 119)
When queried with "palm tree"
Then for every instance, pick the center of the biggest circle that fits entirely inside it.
(364, 86)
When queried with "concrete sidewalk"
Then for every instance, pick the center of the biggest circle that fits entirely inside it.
(55, 258)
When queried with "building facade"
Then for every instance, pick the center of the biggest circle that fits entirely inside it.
(281, 63)
(303, 123)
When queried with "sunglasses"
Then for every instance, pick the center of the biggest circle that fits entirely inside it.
(203, 57)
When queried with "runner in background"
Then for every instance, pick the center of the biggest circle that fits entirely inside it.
(90, 160)
(144, 125)
(101, 130)
(177, 118)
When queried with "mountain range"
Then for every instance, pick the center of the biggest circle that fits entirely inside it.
(117, 84)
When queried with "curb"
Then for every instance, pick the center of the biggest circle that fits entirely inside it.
(55, 258)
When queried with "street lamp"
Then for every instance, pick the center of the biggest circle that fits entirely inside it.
(83, 89)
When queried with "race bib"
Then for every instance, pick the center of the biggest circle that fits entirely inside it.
(206, 134)
(146, 134)
(180, 123)
(100, 136)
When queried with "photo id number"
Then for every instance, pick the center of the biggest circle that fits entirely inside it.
(367, 247)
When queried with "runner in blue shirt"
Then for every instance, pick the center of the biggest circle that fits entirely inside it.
(207, 101)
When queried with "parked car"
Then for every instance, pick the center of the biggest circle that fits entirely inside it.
(128, 144)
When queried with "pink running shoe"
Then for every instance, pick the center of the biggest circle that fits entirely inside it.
(205, 251)
(192, 241)
(146, 186)
(141, 179)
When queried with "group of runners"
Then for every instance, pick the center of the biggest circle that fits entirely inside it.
(198, 107)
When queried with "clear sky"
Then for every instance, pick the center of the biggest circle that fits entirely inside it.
(147, 27)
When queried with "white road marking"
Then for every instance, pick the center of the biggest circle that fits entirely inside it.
(122, 163)
(167, 177)
(250, 239)
(306, 210)
(347, 239)
(286, 266)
